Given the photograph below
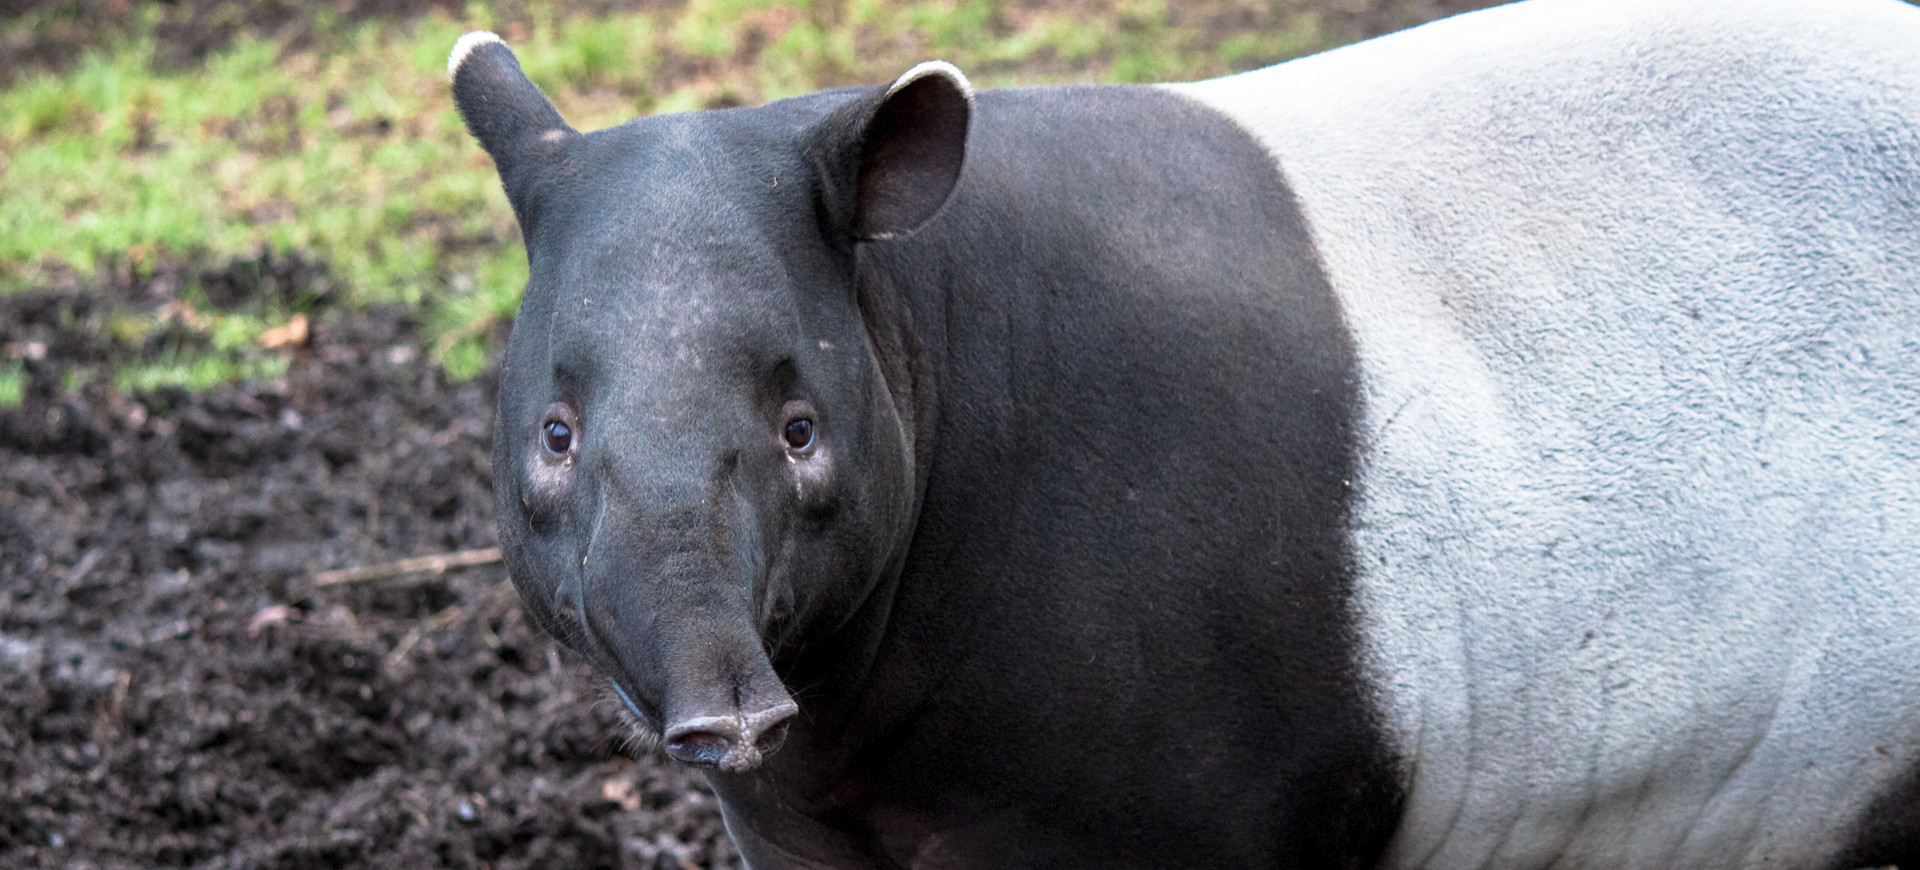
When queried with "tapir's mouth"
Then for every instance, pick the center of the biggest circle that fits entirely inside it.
(734, 744)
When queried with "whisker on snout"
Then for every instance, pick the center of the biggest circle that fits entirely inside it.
(801, 693)
(640, 738)
(566, 628)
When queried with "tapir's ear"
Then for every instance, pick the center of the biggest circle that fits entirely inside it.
(506, 111)
(889, 161)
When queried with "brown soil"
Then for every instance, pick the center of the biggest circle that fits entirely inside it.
(174, 691)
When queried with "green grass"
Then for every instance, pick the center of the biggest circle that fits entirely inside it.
(349, 152)
(13, 384)
(197, 371)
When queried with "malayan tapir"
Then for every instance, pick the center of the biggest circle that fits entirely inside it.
(1492, 445)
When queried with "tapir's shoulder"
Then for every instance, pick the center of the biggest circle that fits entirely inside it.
(1622, 108)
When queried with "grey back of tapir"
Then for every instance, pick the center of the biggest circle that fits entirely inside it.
(1493, 445)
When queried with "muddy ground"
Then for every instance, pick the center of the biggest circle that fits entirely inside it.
(174, 689)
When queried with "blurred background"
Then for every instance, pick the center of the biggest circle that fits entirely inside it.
(253, 280)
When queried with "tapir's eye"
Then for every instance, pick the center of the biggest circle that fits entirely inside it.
(557, 437)
(799, 433)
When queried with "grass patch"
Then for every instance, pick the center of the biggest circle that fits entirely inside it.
(13, 384)
(346, 149)
(197, 372)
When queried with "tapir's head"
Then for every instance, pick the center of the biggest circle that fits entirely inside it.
(704, 456)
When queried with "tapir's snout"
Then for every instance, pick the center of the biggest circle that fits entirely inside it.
(666, 612)
(714, 715)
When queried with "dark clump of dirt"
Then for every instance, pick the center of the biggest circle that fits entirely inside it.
(58, 32)
(185, 31)
(175, 690)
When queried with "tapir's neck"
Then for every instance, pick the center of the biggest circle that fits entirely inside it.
(1133, 409)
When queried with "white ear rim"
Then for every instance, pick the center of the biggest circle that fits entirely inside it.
(465, 46)
(934, 68)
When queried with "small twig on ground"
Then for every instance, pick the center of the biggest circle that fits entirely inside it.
(435, 564)
(425, 627)
(80, 569)
(496, 598)
(495, 605)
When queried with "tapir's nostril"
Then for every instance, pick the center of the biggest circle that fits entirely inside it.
(774, 737)
(735, 744)
(706, 748)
